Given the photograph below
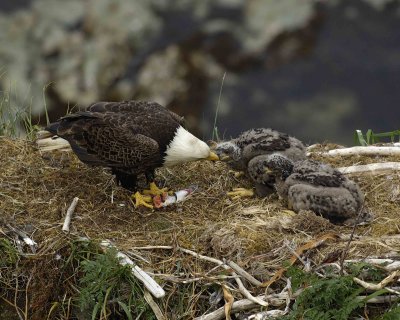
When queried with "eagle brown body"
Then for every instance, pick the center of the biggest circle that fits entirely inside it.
(130, 137)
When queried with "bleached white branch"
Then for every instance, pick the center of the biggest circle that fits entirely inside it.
(380, 285)
(69, 214)
(387, 264)
(372, 167)
(240, 271)
(368, 150)
(276, 300)
(264, 315)
(147, 281)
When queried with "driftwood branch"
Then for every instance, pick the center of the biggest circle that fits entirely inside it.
(371, 168)
(142, 276)
(368, 150)
(276, 300)
(69, 214)
(380, 285)
(386, 264)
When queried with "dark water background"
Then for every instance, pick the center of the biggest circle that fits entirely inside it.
(338, 72)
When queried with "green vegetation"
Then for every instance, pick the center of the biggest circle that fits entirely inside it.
(332, 297)
(370, 137)
(16, 120)
(8, 254)
(106, 288)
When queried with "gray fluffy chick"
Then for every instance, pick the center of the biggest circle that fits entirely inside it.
(253, 147)
(315, 186)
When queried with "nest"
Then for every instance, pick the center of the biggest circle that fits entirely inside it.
(36, 190)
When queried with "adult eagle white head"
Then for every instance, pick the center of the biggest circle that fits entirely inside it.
(130, 137)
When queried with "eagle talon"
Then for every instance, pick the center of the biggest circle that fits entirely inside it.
(154, 190)
(142, 200)
(240, 193)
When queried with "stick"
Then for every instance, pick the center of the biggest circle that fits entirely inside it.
(380, 299)
(228, 297)
(369, 150)
(380, 285)
(264, 315)
(154, 306)
(387, 264)
(244, 273)
(372, 168)
(142, 276)
(346, 249)
(68, 216)
(239, 282)
(276, 300)
(31, 243)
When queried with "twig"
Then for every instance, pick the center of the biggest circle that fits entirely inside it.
(68, 216)
(32, 244)
(228, 297)
(380, 299)
(246, 293)
(239, 282)
(264, 315)
(378, 167)
(244, 273)
(147, 281)
(387, 264)
(346, 249)
(276, 300)
(306, 265)
(154, 306)
(299, 251)
(380, 285)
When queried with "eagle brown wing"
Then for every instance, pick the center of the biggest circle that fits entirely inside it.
(128, 135)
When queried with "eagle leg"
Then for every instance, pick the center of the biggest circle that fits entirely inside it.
(142, 200)
(125, 180)
(240, 193)
(153, 190)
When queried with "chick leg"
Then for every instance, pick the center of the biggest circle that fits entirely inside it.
(237, 174)
(240, 193)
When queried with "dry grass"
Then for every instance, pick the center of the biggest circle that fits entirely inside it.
(36, 189)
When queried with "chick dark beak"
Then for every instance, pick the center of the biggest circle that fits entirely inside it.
(224, 157)
(268, 170)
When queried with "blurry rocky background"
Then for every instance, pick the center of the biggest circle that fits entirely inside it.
(316, 69)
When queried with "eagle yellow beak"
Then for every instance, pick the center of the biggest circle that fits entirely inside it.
(212, 156)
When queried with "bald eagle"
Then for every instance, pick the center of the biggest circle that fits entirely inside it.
(315, 186)
(252, 147)
(131, 138)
